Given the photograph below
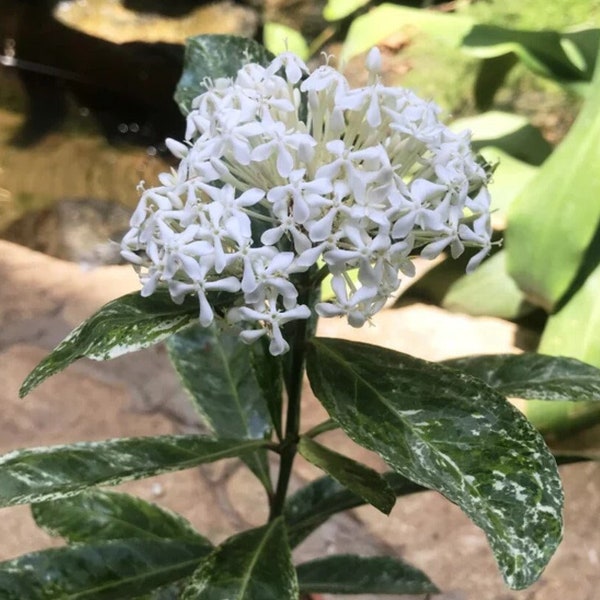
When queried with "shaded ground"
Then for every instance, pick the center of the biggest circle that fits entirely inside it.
(41, 298)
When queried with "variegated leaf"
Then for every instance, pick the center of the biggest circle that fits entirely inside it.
(124, 325)
(453, 433)
(39, 474)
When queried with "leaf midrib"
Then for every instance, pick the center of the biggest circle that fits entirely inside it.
(474, 491)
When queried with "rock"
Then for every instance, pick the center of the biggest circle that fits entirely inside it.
(115, 22)
(86, 231)
(42, 299)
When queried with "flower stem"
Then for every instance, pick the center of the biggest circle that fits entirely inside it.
(294, 376)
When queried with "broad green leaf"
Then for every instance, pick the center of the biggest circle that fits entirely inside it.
(563, 56)
(572, 331)
(208, 57)
(315, 503)
(387, 19)
(554, 219)
(350, 574)
(253, 565)
(50, 473)
(532, 375)
(358, 478)
(280, 38)
(98, 515)
(449, 432)
(338, 9)
(512, 134)
(124, 325)
(216, 370)
(508, 181)
(489, 291)
(490, 77)
(107, 570)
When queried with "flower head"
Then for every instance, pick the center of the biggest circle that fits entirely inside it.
(359, 179)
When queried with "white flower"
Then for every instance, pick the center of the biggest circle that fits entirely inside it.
(285, 174)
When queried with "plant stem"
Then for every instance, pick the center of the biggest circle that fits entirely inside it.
(294, 376)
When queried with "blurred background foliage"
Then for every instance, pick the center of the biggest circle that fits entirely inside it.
(86, 101)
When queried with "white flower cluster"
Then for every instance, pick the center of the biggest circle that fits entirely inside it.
(350, 179)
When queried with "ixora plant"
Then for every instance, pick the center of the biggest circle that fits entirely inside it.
(287, 177)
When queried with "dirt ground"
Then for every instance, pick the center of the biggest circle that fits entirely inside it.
(41, 298)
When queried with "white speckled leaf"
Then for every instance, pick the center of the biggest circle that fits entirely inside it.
(350, 574)
(105, 570)
(96, 515)
(360, 479)
(253, 565)
(311, 506)
(453, 433)
(217, 371)
(124, 325)
(39, 474)
(532, 375)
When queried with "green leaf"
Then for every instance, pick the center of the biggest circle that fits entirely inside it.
(569, 56)
(312, 505)
(107, 570)
(208, 57)
(489, 291)
(280, 38)
(216, 370)
(449, 432)
(50, 473)
(349, 574)
(386, 19)
(124, 325)
(362, 480)
(101, 515)
(532, 375)
(559, 211)
(338, 9)
(512, 134)
(253, 565)
(490, 77)
(509, 180)
(572, 331)
(168, 592)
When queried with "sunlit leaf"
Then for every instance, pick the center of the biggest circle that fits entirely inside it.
(563, 56)
(338, 9)
(280, 38)
(512, 134)
(489, 291)
(208, 57)
(253, 565)
(386, 19)
(349, 574)
(362, 480)
(107, 570)
(49, 473)
(98, 515)
(572, 331)
(554, 219)
(452, 433)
